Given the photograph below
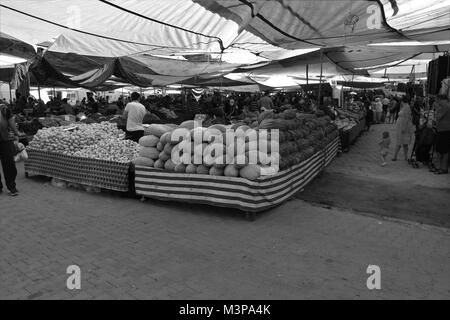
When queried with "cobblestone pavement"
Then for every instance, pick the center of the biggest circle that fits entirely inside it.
(127, 249)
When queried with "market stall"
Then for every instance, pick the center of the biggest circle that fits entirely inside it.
(233, 192)
(306, 145)
(351, 124)
(89, 155)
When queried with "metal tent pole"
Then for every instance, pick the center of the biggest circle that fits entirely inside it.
(10, 93)
(307, 79)
(321, 74)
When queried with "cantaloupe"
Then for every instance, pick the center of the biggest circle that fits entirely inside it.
(160, 146)
(240, 161)
(165, 138)
(169, 165)
(187, 125)
(164, 156)
(219, 127)
(179, 135)
(149, 152)
(159, 164)
(191, 169)
(149, 141)
(208, 160)
(146, 162)
(158, 129)
(168, 148)
(202, 169)
(216, 171)
(180, 168)
(222, 161)
(251, 172)
(231, 171)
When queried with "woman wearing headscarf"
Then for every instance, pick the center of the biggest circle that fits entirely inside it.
(404, 128)
(442, 107)
(9, 137)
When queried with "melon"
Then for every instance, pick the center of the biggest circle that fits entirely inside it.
(240, 161)
(208, 160)
(168, 148)
(158, 129)
(149, 152)
(231, 171)
(219, 127)
(159, 164)
(222, 161)
(192, 169)
(164, 156)
(251, 172)
(160, 146)
(216, 171)
(145, 162)
(188, 125)
(169, 165)
(179, 135)
(149, 141)
(180, 168)
(202, 169)
(165, 138)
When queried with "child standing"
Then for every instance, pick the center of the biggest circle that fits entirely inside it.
(384, 144)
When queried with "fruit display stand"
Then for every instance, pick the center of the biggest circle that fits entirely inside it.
(349, 136)
(239, 193)
(102, 174)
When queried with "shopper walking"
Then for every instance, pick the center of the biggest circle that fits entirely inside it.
(404, 128)
(134, 113)
(378, 108)
(392, 111)
(385, 104)
(442, 107)
(9, 138)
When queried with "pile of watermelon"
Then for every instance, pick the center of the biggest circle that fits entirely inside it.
(301, 138)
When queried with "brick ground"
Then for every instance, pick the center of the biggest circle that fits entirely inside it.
(155, 250)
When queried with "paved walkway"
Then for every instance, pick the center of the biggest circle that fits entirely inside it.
(356, 181)
(364, 160)
(156, 250)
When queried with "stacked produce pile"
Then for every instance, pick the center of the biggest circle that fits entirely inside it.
(163, 150)
(111, 149)
(348, 119)
(53, 122)
(299, 139)
(70, 140)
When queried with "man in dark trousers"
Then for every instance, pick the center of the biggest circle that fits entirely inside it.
(9, 137)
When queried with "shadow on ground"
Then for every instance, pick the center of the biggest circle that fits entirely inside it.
(380, 198)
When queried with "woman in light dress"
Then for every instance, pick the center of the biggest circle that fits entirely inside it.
(404, 129)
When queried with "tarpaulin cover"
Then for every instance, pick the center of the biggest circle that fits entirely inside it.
(15, 47)
(92, 39)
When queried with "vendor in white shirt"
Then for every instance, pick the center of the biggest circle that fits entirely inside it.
(134, 113)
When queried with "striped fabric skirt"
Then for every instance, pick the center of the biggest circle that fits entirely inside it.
(230, 192)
